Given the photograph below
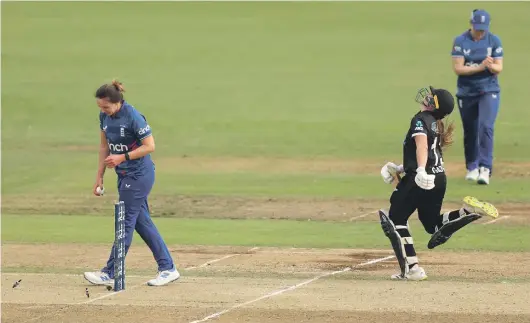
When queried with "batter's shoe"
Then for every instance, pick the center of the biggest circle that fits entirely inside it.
(449, 228)
(99, 278)
(473, 205)
(474, 210)
(164, 277)
(415, 273)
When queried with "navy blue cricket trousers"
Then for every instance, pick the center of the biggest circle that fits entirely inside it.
(134, 192)
(478, 115)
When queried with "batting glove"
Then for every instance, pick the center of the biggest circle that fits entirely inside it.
(423, 179)
(389, 170)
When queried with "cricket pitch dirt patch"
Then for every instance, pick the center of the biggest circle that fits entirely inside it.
(264, 285)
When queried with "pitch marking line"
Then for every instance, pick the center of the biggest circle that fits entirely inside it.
(504, 217)
(290, 288)
(219, 259)
(363, 215)
(188, 268)
(136, 286)
(211, 262)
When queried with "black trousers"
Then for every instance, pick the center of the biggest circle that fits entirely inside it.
(409, 197)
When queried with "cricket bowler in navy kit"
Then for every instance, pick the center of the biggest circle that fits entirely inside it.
(423, 185)
(477, 60)
(126, 144)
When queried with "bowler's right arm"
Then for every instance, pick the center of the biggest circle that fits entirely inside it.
(104, 152)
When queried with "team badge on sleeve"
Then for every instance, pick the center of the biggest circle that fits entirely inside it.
(419, 126)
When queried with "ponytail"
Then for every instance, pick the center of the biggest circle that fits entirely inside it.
(445, 129)
(113, 92)
(118, 85)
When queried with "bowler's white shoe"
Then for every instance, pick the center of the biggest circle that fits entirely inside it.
(472, 175)
(99, 278)
(484, 176)
(416, 273)
(164, 277)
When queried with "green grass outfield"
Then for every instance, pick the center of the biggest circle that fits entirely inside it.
(282, 233)
(246, 80)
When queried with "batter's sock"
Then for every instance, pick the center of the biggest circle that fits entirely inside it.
(451, 216)
(408, 243)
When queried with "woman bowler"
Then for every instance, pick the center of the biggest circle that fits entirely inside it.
(126, 145)
(477, 60)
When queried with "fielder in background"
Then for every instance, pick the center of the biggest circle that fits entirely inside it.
(477, 60)
(423, 185)
(126, 145)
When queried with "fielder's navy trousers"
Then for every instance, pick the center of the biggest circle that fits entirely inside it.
(478, 115)
(134, 192)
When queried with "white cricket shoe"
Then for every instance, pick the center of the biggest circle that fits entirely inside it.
(164, 277)
(484, 176)
(416, 273)
(99, 278)
(473, 175)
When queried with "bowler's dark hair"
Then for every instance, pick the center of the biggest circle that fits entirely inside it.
(113, 92)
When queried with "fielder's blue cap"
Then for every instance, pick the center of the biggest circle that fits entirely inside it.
(480, 19)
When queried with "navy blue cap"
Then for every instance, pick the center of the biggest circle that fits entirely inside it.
(480, 19)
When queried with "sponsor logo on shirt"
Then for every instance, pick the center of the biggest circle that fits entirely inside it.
(118, 147)
(144, 130)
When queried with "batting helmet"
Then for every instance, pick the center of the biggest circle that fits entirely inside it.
(440, 100)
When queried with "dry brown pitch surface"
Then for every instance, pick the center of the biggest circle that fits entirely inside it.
(264, 285)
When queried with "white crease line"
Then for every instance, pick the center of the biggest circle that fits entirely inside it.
(188, 268)
(212, 261)
(333, 252)
(135, 286)
(109, 294)
(219, 259)
(497, 219)
(363, 215)
(293, 287)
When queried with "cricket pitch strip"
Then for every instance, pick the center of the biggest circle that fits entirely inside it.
(264, 285)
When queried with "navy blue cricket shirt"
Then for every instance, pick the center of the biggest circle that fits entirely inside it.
(474, 52)
(125, 131)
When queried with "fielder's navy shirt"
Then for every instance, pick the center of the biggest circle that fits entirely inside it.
(474, 52)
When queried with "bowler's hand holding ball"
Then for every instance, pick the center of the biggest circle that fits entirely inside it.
(100, 190)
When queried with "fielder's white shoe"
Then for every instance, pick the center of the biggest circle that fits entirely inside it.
(472, 175)
(416, 273)
(484, 176)
(164, 277)
(99, 278)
